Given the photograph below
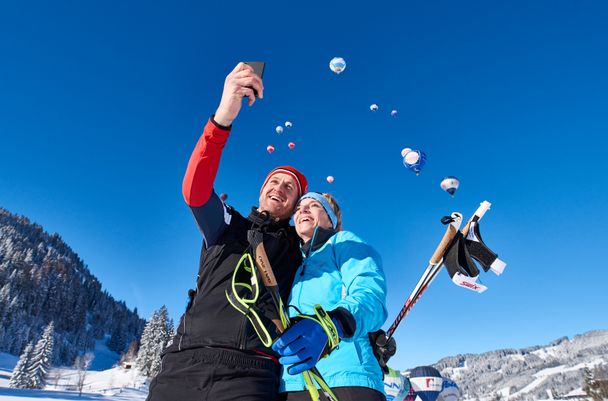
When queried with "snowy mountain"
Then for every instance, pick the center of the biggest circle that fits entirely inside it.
(42, 280)
(541, 372)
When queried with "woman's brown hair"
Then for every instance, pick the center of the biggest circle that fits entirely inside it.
(334, 205)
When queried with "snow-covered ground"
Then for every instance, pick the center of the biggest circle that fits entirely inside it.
(101, 383)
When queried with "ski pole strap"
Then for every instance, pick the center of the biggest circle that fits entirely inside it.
(310, 377)
(333, 339)
(246, 304)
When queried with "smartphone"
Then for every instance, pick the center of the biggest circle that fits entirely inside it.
(258, 68)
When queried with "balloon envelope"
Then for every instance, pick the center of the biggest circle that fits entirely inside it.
(337, 65)
(270, 148)
(450, 184)
(223, 196)
(279, 129)
(449, 391)
(426, 382)
(330, 178)
(414, 160)
(396, 386)
(394, 113)
(291, 145)
(288, 124)
(373, 107)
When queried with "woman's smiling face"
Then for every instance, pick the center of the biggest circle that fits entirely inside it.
(308, 215)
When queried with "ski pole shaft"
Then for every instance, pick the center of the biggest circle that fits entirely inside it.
(429, 273)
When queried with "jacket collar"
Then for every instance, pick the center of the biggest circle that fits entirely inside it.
(319, 238)
(264, 219)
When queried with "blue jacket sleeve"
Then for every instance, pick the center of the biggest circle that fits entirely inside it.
(364, 294)
(212, 218)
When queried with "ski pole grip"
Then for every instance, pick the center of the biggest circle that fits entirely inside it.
(263, 264)
(481, 210)
(449, 235)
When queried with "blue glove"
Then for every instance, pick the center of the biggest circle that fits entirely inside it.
(302, 345)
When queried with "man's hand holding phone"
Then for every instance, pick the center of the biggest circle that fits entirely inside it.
(243, 81)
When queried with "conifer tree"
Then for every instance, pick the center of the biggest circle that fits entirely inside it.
(155, 338)
(20, 377)
(146, 348)
(41, 358)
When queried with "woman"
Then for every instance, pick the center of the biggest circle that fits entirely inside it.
(343, 274)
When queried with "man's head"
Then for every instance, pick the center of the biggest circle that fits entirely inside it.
(281, 190)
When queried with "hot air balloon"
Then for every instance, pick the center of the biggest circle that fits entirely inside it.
(450, 184)
(279, 129)
(373, 107)
(414, 160)
(288, 124)
(449, 392)
(337, 65)
(223, 196)
(270, 148)
(330, 178)
(426, 382)
(394, 113)
(405, 151)
(291, 145)
(396, 386)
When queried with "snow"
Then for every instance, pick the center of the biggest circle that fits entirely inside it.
(104, 358)
(517, 357)
(12, 394)
(547, 352)
(562, 368)
(102, 382)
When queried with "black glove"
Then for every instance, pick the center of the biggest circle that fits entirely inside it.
(383, 349)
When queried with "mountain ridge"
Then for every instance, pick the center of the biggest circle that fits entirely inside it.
(41, 280)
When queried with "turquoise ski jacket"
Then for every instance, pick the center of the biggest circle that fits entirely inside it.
(343, 272)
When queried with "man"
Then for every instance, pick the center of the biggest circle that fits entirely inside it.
(216, 354)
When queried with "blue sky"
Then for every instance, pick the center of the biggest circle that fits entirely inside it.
(102, 102)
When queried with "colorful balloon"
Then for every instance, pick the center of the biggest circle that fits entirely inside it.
(270, 148)
(330, 178)
(396, 386)
(426, 382)
(373, 107)
(223, 196)
(414, 160)
(337, 65)
(291, 145)
(279, 129)
(449, 391)
(450, 184)
(288, 124)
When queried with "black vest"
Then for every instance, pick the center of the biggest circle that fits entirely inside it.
(210, 320)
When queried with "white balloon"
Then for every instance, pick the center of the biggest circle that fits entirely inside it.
(288, 124)
(337, 65)
(405, 151)
(373, 107)
(330, 178)
(279, 129)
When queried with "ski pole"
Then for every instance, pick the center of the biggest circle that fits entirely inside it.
(436, 262)
(429, 273)
(270, 282)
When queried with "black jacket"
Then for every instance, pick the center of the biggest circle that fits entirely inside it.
(210, 320)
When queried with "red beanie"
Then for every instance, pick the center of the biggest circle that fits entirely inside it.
(295, 174)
